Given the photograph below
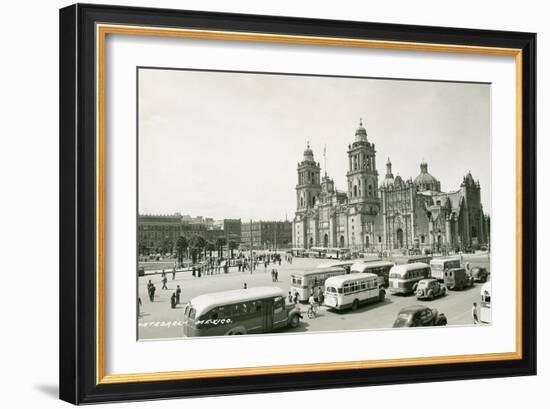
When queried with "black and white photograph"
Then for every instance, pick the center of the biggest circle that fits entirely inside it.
(274, 203)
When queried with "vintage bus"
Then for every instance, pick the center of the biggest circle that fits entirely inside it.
(345, 264)
(304, 283)
(352, 290)
(439, 265)
(380, 268)
(237, 312)
(412, 259)
(485, 307)
(338, 253)
(405, 277)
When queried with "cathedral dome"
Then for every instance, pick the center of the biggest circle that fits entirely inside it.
(388, 180)
(425, 181)
(308, 154)
(360, 133)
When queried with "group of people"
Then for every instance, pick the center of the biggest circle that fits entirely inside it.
(316, 297)
(274, 275)
(151, 289)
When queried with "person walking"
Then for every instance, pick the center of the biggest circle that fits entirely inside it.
(152, 292)
(290, 298)
(276, 275)
(296, 298)
(474, 314)
(245, 286)
(320, 296)
(178, 294)
(174, 272)
(164, 281)
(173, 300)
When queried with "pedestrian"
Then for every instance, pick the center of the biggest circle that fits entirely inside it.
(139, 306)
(149, 284)
(174, 272)
(474, 314)
(152, 293)
(245, 286)
(173, 300)
(296, 298)
(276, 275)
(163, 273)
(199, 271)
(320, 297)
(193, 271)
(178, 294)
(272, 275)
(290, 299)
(164, 280)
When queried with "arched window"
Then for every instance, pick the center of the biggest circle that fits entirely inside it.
(370, 190)
(302, 201)
(355, 191)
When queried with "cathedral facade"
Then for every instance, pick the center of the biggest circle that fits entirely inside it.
(395, 214)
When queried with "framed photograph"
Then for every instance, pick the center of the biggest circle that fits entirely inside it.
(256, 204)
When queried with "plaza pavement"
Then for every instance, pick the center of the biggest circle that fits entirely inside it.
(159, 320)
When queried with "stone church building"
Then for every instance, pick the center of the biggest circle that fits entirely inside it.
(395, 214)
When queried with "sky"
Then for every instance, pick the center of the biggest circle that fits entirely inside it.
(227, 145)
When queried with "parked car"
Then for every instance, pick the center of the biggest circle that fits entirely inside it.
(429, 288)
(479, 274)
(141, 272)
(419, 316)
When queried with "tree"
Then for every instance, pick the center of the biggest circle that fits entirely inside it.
(220, 242)
(181, 247)
(142, 248)
(167, 246)
(210, 247)
(198, 243)
(233, 245)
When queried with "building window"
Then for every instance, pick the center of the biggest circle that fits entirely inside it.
(379, 239)
(370, 190)
(422, 238)
(354, 191)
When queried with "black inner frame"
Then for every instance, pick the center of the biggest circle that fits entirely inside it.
(78, 210)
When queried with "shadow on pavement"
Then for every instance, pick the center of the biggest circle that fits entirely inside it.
(362, 309)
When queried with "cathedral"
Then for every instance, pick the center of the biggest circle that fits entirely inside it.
(395, 214)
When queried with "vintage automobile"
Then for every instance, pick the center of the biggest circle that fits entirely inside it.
(419, 316)
(429, 288)
(141, 272)
(479, 274)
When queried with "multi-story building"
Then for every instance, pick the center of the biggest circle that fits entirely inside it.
(397, 214)
(232, 229)
(158, 233)
(267, 235)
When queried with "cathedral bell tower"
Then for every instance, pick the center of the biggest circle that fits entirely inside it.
(309, 182)
(362, 174)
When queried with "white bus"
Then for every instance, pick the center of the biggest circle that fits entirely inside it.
(351, 290)
(439, 265)
(337, 253)
(485, 308)
(345, 264)
(304, 283)
(380, 268)
(405, 277)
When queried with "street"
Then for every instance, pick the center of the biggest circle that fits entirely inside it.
(159, 320)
